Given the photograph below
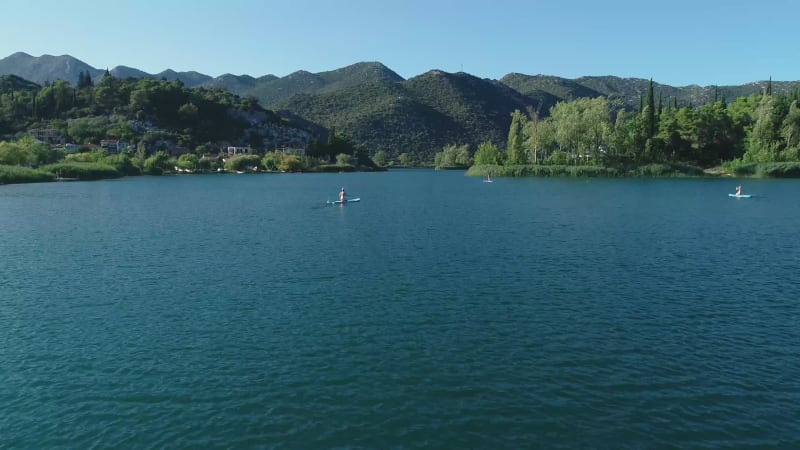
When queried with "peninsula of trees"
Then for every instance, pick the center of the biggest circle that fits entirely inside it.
(754, 135)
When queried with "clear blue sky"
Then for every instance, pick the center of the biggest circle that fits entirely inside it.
(679, 42)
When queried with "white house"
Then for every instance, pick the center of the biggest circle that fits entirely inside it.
(232, 151)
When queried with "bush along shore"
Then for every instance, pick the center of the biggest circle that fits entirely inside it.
(663, 170)
(656, 170)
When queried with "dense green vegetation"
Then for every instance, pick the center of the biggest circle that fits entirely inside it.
(160, 113)
(147, 120)
(756, 135)
(17, 174)
(416, 117)
(437, 119)
(82, 170)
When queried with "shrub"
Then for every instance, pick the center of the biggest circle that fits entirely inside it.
(17, 174)
(241, 163)
(779, 170)
(82, 171)
(122, 163)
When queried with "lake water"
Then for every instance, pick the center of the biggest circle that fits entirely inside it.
(240, 311)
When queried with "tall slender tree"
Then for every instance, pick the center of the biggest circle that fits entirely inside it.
(514, 150)
(650, 112)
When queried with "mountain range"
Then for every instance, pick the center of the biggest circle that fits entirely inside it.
(380, 109)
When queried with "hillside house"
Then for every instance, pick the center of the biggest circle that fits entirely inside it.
(234, 151)
(48, 135)
(112, 146)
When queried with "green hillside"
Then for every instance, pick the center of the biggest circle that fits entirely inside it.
(418, 116)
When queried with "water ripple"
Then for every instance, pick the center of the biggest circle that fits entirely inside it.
(540, 313)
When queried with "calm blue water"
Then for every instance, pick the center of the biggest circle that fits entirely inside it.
(441, 311)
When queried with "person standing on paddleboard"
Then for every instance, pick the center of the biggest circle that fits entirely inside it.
(342, 196)
(738, 190)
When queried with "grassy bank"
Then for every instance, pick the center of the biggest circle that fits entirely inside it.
(540, 170)
(16, 174)
(763, 170)
(82, 170)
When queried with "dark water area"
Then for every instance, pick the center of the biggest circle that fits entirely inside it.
(241, 311)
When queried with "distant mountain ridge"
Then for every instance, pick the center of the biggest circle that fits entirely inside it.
(382, 110)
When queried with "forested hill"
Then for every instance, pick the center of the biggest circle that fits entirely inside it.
(382, 110)
(160, 114)
(417, 116)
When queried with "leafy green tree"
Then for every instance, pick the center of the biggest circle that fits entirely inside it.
(41, 154)
(188, 113)
(106, 94)
(514, 150)
(187, 161)
(763, 140)
(627, 138)
(141, 154)
(204, 164)
(581, 127)
(85, 130)
(453, 156)
(13, 154)
(122, 163)
(538, 134)
(487, 153)
(157, 164)
(559, 158)
(790, 128)
(380, 158)
(55, 100)
(242, 163)
(596, 119)
(339, 143)
(688, 123)
(343, 159)
(291, 163)
(272, 161)
(717, 137)
(404, 159)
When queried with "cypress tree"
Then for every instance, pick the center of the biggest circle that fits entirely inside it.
(650, 111)
(514, 146)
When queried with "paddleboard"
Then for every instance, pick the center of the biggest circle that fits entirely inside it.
(339, 202)
(739, 196)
